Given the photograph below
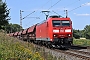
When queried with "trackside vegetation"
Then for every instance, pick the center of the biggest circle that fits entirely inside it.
(85, 33)
(14, 49)
(82, 42)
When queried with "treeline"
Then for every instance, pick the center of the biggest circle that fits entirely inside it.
(4, 15)
(85, 33)
(12, 28)
(4, 19)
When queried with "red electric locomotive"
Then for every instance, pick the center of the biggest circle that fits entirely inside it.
(55, 31)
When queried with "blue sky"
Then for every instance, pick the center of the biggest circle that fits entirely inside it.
(78, 11)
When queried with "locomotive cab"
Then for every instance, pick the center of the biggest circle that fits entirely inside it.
(61, 30)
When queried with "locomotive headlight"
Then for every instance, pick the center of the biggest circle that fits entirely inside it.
(54, 35)
(51, 39)
(56, 31)
(69, 35)
(68, 30)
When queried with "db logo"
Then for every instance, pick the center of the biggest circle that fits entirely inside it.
(61, 30)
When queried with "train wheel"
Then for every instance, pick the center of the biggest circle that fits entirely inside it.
(71, 43)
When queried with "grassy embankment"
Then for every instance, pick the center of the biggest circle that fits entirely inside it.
(82, 42)
(14, 49)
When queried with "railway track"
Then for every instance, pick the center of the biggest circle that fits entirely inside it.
(75, 53)
(80, 55)
(88, 47)
(81, 52)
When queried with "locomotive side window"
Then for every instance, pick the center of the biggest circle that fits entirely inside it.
(56, 23)
(65, 23)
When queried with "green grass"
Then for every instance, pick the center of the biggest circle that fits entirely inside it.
(82, 42)
(14, 49)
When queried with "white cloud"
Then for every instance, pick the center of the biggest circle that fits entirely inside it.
(82, 14)
(86, 4)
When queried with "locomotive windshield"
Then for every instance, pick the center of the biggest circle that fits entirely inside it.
(65, 23)
(61, 23)
(56, 23)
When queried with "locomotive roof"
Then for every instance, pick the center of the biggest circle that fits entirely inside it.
(55, 16)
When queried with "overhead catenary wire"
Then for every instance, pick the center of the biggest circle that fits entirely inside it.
(45, 3)
(73, 3)
(70, 5)
(41, 7)
(28, 15)
(78, 7)
(54, 4)
(58, 2)
(36, 11)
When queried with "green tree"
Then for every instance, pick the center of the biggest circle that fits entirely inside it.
(87, 31)
(82, 32)
(76, 34)
(16, 27)
(4, 15)
(12, 28)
